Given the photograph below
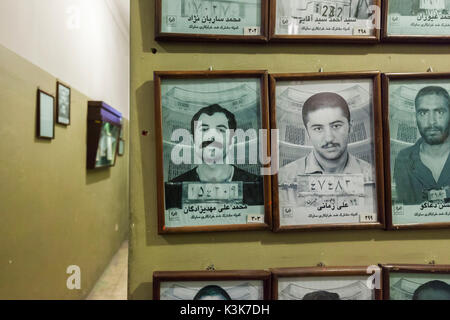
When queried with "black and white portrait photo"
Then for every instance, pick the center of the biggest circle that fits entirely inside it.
(419, 123)
(419, 285)
(325, 288)
(418, 17)
(212, 290)
(210, 131)
(327, 171)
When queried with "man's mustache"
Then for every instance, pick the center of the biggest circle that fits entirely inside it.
(212, 143)
(330, 145)
(434, 129)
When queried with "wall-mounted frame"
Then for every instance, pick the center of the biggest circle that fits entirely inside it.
(103, 131)
(223, 20)
(196, 191)
(416, 21)
(326, 283)
(330, 171)
(416, 119)
(45, 116)
(325, 21)
(416, 282)
(63, 105)
(211, 285)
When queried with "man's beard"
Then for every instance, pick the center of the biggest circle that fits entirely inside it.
(434, 135)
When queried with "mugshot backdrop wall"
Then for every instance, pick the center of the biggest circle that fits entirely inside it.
(53, 212)
(255, 250)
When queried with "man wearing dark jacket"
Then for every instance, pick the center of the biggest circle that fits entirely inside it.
(422, 171)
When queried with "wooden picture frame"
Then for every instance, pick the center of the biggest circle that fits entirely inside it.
(274, 36)
(160, 35)
(375, 138)
(103, 131)
(389, 269)
(385, 37)
(42, 132)
(205, 79)
(59, 95)
(387, 80)
(160, 277)
(316, 272)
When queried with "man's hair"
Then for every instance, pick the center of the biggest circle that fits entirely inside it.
(431, 285)
(321, 295)
(433, 90)
(325, 100)
(212, 290)
(210, 110)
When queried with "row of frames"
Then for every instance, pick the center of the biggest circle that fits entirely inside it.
(377, 282)
(301, 151)
(347, 21)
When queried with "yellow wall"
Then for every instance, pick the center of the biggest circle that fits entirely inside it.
(255, 250)
(53, 213)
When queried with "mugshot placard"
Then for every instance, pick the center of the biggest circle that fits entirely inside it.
(419, 147)
(218, 19)
(417, 19)
(327, 283)
(211, 285)
(325, 18)
(210, 135)
(416, 282)
(63, 104)
(328, 171)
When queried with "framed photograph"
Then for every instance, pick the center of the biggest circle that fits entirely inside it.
(416, 123)
(218, 20)
(330, 167)
(416, 282)
(63, 104)
(211, 285)
(416, 20)
(45, 127)
(325, 20)
(103, 131)
(209, 128)
(326, 283)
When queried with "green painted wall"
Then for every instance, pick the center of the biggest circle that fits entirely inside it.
(255, 250)
(52, 212)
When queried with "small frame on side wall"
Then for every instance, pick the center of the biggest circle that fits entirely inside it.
(416, 127)
(211, 285)
(416, 21)
(209, 173)
(45, 119)
(103, 132)
(63, 95)
(330, 169)
(327, 283)
(325, 21)
(416, 282)
(189, 20)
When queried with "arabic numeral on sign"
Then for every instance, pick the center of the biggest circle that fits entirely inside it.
(255, 218)
(361, 31)
(252, 31)
(367, 217)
